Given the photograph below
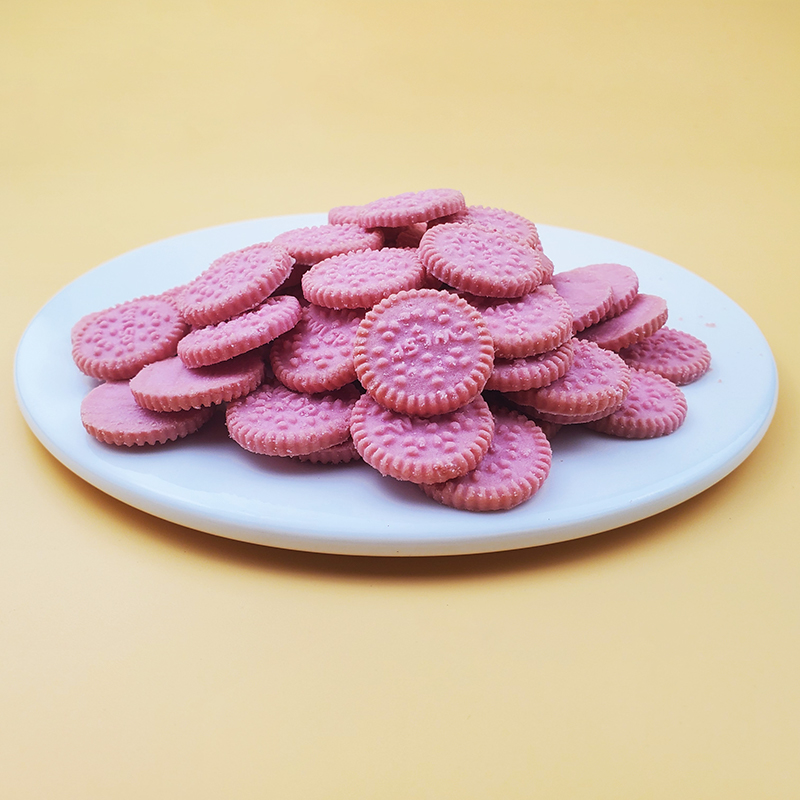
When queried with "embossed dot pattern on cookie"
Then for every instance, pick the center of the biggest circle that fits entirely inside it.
(675, 355)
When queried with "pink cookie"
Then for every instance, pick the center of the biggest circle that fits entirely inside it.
(511, 472)
(342, 453)
(204, 346)
(423, 352)
(234, 283)
(114, 344)
(624, 284)
(597, 382)
(654, 407)
(410, 207)
(170, 385)
(276, 421)
(422, 449)
(642, 318)
(480, 261)
(589, 296)
(317, 354)
(111, 415)
(359, 280)
(533, 372)
(342, 215)
(675, 355)
(311, 245)
(497, 219)
(537, 322)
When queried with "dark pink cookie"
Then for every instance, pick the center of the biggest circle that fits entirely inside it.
(311, 245)
(276, 421)
(589, 296)
(498, 219)
(234, 283)
(410, 235)
(114, 344)
(675, 355)
(410, 207)
(597, 382)
(423, 352)
(317, 354)
(642, 318)
(511, 472)
(624, 284)
(359, 280)
(480, 261)
(537, 322)
(170, 385)
(204, 346)
(654, 407)
(533, 372)
(422, 449)
(111, 415)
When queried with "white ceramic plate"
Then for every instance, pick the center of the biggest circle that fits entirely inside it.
(208, 483)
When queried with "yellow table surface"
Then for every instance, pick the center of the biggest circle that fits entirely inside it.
(660, 660)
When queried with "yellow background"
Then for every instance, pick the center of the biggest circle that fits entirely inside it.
(141, 659)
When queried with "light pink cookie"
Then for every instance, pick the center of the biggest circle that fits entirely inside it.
(276, 421)
(642, 318)
(234, 283)
(537, 322)
(114, 344)
(110, 414)
(624, 284)
(317, 354)
(511, 472)
(410, 207)
(170, 385)
(498, 219)
(423, 352)
(204, 346)
(480, 261)
(410, 235)
(342, 215)
(359, 280)
(311, 245)
(654, 407)
(675, 355)
(533, 372)
(422, 449)
(597, 382)
(589, 296)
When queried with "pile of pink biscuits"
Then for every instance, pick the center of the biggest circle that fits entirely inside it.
(430, 339)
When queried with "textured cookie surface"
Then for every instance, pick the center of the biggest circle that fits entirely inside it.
(276, 421)
(675, 355)
(423, 352)
(532, 372)
(410, 207)
(480, 261)
(110, 414)
(240, 334)
(654, 407)
(422, 449)
(513, 470)
(317, 354)
(314, 244)
(234, 283)
(359, 280)
(170, 385)
(498, 219)
(114, 344)
(642, 318)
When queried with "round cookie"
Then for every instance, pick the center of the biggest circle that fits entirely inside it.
(654, 407)
(422, 449)
(481, 261)
(170, 385)
(532, 372)
(497, 219)
(276, 421)
(240, 334)
(317, 354)
(410, 207)
(675, 355)
(114, 344)
(642, 318)
(311, 245)
(423, 352)
(110, 414)
(588, 295)
(359, 280)
(512, 471)
(234, 283)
